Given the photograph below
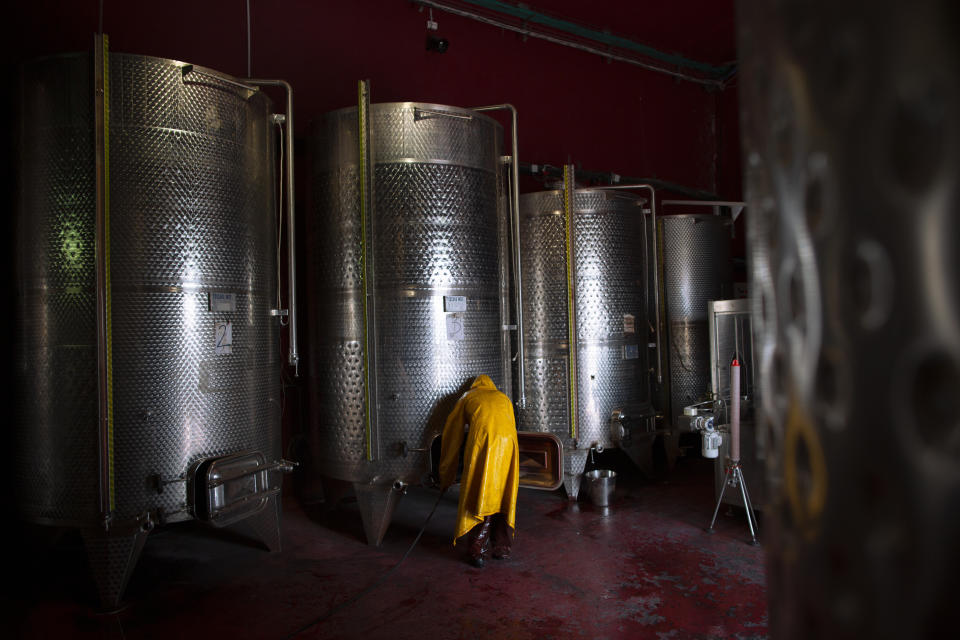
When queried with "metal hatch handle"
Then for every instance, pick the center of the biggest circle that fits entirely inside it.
(656, 265)
(293, 357)
(515, 235)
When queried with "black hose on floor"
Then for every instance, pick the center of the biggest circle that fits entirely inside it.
(377, 582)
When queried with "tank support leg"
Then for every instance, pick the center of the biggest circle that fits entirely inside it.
(640, 450)
(376, 502)
(265, 525)
(113, 557)
(574, 462)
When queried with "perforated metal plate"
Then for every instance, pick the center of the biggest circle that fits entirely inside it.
(192, 211)
(437, 230)
(610, 281)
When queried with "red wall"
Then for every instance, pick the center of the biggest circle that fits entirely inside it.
(573, 106)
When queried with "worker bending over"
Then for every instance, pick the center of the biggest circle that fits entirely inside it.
(491, 468)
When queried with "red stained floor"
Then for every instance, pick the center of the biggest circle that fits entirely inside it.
(644, 569)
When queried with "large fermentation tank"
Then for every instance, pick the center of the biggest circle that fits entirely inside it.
(694, 255)
(185, 340)
(432, 306)
(609, 313)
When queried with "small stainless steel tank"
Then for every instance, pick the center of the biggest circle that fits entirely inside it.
(154, 361)
(695, 262)
(432, 309)
(610, 316)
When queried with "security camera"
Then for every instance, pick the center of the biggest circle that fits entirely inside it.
(436, 43)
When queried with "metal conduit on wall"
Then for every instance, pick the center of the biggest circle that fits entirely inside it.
(178, 172)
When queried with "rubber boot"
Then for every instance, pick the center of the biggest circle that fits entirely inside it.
(501, 537)
(480, 543)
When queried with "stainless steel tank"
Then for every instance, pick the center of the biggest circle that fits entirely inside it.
(185, 339)
(610, 316)
(851, 143)
(694, 254)
(432, 309)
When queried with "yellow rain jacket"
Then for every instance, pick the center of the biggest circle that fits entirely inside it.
(491, 459)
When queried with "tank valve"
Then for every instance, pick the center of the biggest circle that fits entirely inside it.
(404, 449)
(618, 432)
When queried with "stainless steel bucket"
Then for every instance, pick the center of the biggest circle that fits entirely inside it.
(600, 486)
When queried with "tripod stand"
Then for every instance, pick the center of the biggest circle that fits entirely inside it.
(734, 478)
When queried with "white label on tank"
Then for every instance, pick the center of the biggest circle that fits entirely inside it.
(629, 323)
(454, 303)
(455, 326)
(224, 338)
(631, 351)
(223, 302)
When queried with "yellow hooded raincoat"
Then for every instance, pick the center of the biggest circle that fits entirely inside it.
(491, 459)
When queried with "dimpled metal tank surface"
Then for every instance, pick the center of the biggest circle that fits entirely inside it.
(434, 241)
(695, 261)
(612, 371)
(193, 364)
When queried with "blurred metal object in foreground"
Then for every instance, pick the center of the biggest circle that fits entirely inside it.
(852, 146)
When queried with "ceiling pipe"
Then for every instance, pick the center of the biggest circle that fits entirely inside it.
(711, 75)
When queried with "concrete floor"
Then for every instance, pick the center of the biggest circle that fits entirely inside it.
(644, 569)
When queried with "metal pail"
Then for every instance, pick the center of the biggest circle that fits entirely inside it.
(601, 483)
